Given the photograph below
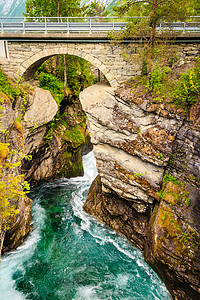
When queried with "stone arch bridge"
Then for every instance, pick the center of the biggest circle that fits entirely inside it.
(24, 53)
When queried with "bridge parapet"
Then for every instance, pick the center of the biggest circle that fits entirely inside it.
(25, 53)
(87, 24)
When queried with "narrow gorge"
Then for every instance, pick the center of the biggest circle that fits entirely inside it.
(148, 161)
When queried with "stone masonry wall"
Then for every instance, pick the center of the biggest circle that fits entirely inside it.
(25, 57)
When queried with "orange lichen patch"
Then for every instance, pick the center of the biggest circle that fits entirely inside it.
(181, 247)
(156, 132)
(18, 126)
(155, 107)
(4, 150)
(4, 98)
(158, 139)
(171, 138)
(161, 132)
(147, 149)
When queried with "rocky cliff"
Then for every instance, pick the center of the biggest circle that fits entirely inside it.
(55, 146)
(148, 160)
(48, 150)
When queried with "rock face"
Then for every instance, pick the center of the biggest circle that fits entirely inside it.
(148, 161)
(41, 108)
(51, 151)
(55, 149)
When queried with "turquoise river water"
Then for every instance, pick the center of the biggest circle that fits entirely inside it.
(69, 255)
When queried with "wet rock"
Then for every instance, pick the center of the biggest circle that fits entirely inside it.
(55, 152)
(120, 215)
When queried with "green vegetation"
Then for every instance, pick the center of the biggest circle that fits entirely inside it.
(179, 90)
(169, 178)
(174, 192)
(12, 184)
(183, 235)
(71, 169)
(188, 87)
(138, 174)
(156, 78)
(155, 53)
(78, 74)
(56, 8)
(75, 135)
(51, 83)
(96, 9)
(152, 12)
(8, 88)
(160, 155)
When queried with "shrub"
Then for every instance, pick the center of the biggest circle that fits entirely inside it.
(7, 88)
(188, 88)
(157, 77)
(12, 187)
(51, 83)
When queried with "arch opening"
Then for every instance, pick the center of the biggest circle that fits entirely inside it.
(28, 68)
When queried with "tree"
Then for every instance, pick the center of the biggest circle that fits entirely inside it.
(96, 9)
(53, 8)
(155, 51)
(154, 11)
(196, 7)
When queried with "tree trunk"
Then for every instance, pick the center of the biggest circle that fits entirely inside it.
(153, 32)
(99, 75)
(65, 72)
(2, 235)
(58, 11)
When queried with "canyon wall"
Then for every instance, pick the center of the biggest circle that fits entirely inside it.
(47, 151)
(148, 161)
(55, 147)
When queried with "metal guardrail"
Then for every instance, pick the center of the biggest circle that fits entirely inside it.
(91, 24)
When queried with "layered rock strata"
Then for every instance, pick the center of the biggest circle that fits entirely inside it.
(148, 162)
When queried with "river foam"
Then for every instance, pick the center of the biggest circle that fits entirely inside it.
(69, 255)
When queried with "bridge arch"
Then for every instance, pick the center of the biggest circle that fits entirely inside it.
(29, 66)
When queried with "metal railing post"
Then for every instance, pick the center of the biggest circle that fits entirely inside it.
(90, 26)
(113, 24)
(45, 24)
(160, 27)
(1, 25)
(24, 25)
(183, 27)
(67, 25)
